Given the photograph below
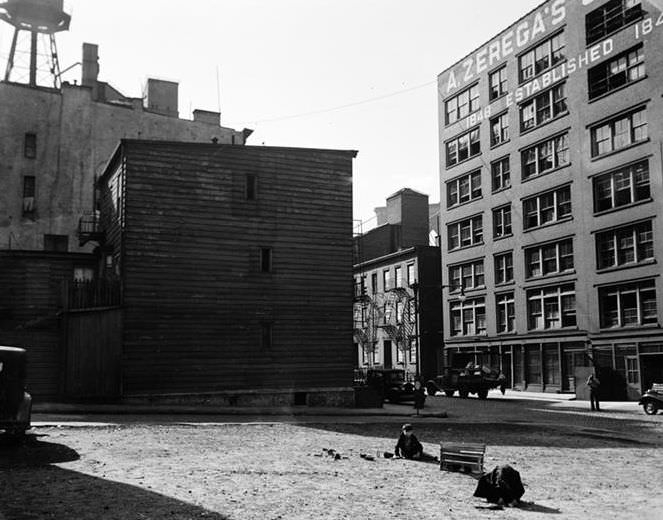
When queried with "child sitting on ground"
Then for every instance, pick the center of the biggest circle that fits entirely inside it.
(408, 446)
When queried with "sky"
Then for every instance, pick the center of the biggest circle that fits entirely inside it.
(341, 74)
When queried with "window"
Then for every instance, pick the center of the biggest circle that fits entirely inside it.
(632, 372)
(468, 318)
(83, 273)
(506, 313)
(533, 366)
(622, 187)
(551, 307)
(626, 68)
(499, 129)
(400, 355)
(251, 187)
(386, 279)
(398, 276)
(551, 368)
(376, 355)
(628, 305)
(266, 330)
(30, 146)
(611, 17)
(463, 147)
(549, 259)
(501, 174)
(399, 312)
(266, 259)
(542, 57)
(413, 352)
(502, 221)
(58, 243)
(498, 83)
(462, 104)
(545, 156)
(411, 276)
(374, 283)
(464, 189)
(466, 276)
(620, 132)
(29, 188)
(504, 268)
(625, 245)
(543, 108)
(548, 207)
(465, 233)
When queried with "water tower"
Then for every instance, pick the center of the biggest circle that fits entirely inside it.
(40, 20)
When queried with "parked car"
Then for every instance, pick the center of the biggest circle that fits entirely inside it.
(473, 379)
(652, 399)
(15, 402)
(389, 382)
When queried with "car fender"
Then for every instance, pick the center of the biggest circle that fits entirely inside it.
(25, 409)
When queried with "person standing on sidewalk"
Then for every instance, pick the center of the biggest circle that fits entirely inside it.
(593, 383)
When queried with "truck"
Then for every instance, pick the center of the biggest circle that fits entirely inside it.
(472, 379)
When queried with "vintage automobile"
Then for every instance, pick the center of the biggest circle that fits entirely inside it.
(15, 402)
(389, 382)
(652, 399)
(473, 379)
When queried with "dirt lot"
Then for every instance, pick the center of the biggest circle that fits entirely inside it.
(571, 469)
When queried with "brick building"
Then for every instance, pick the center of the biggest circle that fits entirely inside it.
(551, 182)
(397, 307)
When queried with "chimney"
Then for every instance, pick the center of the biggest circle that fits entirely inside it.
(90, 67)
(207, 117)
(161, 97)
(409, 209)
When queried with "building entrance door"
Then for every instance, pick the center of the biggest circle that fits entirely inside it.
(388, 363)
(572, 359)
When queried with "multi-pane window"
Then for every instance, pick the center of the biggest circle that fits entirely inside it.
(541, 58)
(551, 307)
(628, 305)
(374, 283)
(622, 187)
(499, 129)
(611, 17)
(468, 318)
(465, 233)
(386, 279)
(501, 174)
(502, 221)
(498, 83)
(549, 259)
(504, 268)
(29, 188)
(463, 147)
(626, 68)
(462, 104)
(543, 107)
(545, 156)
(506, 312)
(411, 274)
(547, 207)
(464, 189)
(620, 132)
(412, 352)
(398, 276)
(625, 245)
(466, 276)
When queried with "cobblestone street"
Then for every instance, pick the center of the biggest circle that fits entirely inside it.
(573, 463)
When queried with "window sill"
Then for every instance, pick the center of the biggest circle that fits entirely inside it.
(612, 33)
(467, 290)
(522, 82)
(494, 146)
(449, 167)
(549, 224)
(534, 128)
(505, 285)
(620, 150)
(497, 98)
(612, 269)
(499, 190)
(625, 206)
(614, 91)
(461, 204)
(552, 331)
(502, 237)
(507, 333)
(547, 172)
(535, 279)
(460, 119)
(632, 327)
(468, 336)
(464, 247)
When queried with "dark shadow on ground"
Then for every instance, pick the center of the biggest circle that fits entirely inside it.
(536, 508)
(32, 488)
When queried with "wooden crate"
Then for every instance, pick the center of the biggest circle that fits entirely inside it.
(465, 457)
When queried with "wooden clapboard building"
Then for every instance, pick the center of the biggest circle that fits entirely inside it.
(234, 264)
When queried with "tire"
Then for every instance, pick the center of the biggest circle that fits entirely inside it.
(463, 393)
(650, 408)
(482, 394)
(449, 393)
